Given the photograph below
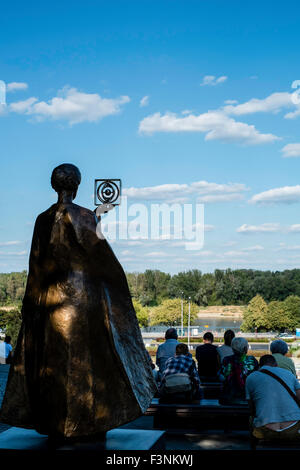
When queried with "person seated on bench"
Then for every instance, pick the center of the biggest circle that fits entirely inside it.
(276, 410)
(180, 380)
(279, 348)
(6, 351)
(166, 350)
(208, 359)
(234, 371)
(226, 349)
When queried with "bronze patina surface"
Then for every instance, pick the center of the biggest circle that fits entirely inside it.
(80, 366)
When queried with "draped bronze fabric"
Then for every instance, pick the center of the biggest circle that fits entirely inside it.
(80, 365)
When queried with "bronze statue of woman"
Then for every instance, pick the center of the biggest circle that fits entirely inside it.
(80, 366)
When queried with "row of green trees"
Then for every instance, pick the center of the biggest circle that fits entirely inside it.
(273, 316)
(223, 287)
(167, 313)
(273, 298)
(258, 316)
(12, 287)
(10, 323)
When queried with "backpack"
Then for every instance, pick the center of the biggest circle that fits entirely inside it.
(177, 383)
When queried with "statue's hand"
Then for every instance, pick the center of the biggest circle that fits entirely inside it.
(103, 209)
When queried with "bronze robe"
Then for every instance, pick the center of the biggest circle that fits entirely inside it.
(80, 366)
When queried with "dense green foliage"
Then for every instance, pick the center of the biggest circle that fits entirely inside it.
(273, 297)
(10, 323)
(219, 288)
(223, 287)
(169, 312)
(276, 316)
(150, 287)
(12, 287)
(142, 313)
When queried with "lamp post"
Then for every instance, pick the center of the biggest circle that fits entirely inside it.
(189, 322)
(181, 313)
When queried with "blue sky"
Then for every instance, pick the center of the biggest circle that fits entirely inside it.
(157, 93)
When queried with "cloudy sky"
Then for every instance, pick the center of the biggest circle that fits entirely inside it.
(185, 101)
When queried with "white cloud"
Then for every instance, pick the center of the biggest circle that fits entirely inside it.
(207, 227)
(263, 228)
(71, 105)
(13, 253)
(126, 252)
(234, 253)
(230, 101)
(23, 107)
(291, 150)
(10, 243)
(272, 103)
(211, 80)
(285, 195)
(230, 243)
(157, 254)
(215, 124)
(220, 198)
(293, 114)
(294, 228)
(212, 191)
(204, 253)
(128, 260)
(135, 243)
(254, 248)
(284, 247)
(16, 86)
(144, 101)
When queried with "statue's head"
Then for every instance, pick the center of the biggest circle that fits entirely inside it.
(66, 178)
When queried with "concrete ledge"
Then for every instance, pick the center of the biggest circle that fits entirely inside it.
(116, 439)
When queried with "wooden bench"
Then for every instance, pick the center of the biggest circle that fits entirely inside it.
(211, 390)
(205, 414)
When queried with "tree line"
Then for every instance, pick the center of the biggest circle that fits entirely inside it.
(222, 287)
(273, 316)
(12, 287)
(273, 298)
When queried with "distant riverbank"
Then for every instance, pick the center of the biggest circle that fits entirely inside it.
(221, 311)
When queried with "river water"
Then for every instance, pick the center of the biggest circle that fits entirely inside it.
(217, 324)
(214, 324)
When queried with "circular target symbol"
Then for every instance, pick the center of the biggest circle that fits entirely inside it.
(108, 192)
